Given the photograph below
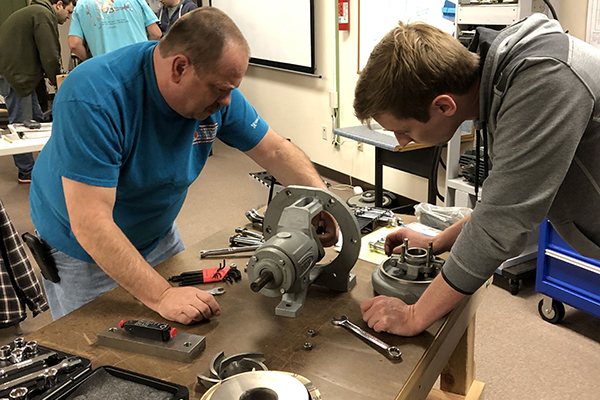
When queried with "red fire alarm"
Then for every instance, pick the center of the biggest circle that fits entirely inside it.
(344, 15)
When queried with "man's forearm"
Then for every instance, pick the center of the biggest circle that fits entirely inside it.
(109, 247)
(444, 241)
(285, 161)
(437, 301)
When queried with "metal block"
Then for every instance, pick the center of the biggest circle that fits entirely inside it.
(184, 347)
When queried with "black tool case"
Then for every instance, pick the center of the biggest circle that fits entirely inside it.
(105, 382)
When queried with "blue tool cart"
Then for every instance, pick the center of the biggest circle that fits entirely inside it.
(565, 276)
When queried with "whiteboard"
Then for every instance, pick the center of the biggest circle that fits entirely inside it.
(280, 32)
(378, 17)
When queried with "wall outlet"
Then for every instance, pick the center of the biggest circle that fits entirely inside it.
(324, 131)
(360, 146)
(538, 6)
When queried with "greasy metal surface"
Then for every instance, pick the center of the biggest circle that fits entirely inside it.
(183, 348)
(339, 365)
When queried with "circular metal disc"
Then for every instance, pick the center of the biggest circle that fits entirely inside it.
(261, 385)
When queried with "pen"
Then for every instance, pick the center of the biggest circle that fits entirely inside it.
(7, 139)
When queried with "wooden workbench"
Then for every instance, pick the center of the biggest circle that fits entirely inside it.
(340, 365)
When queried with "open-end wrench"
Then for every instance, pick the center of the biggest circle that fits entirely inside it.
(392, 352)
(216, 290)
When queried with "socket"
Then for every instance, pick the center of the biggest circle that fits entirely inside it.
(360, 146)
(324, 131)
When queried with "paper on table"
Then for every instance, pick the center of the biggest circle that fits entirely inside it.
(43, 132)
(367, 254)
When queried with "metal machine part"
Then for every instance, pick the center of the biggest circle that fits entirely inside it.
(407, 275)
(391, 352)
(227, 250)
(41, 359)
(216, 290)
(5, 352)
(222, 367)
(261, 385)
(286, 264)
(19, 393)
(378, 246)
(370, 218)
(19, 342)
(249, 233)
(65, 366)
(184, 347)
(254, 217)
(240, 240)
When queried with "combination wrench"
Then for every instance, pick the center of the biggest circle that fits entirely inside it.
(214, 291)
(392, 352)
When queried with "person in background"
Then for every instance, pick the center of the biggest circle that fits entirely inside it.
(29, 48)
(171, 11)
(534, 92)
(107, 25)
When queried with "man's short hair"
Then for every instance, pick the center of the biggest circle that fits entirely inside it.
(201, 36)
(65, 2)
(408, 68)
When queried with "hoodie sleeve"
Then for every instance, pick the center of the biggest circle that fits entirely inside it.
(46, 39)
(187, 7)
(541, 120)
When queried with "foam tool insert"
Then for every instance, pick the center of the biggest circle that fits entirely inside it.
(111, 383)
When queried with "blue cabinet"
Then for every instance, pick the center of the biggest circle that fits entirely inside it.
(565, 276)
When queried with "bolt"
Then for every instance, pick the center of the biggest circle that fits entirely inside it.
(354, 241)
(112, 329)
(311, 333)
(282, 291)
(187, 344)
(307, 346)
(281, 262)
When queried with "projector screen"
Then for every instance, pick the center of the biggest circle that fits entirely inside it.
(280, 32)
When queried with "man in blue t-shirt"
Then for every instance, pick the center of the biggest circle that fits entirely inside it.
(132, 130)
(107, 25)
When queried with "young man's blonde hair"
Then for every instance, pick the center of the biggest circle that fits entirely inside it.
(408, 68)
(201, 36)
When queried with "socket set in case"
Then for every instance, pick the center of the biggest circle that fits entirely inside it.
(29, 371)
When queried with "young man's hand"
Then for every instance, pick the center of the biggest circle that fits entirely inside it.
(391, 315)
(395, 241)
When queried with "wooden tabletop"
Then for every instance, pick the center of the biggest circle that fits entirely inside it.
(340, 365)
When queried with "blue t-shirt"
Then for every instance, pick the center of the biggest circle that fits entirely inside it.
(113, 128)
(108, 25)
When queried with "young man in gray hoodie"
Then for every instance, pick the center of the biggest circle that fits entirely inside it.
(171, 10)
(533, 91)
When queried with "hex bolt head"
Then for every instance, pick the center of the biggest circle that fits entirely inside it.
(311, 333)
(307, 346)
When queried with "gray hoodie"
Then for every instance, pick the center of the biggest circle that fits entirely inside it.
(539, 101)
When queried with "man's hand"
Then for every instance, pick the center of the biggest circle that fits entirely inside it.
(187, 304)
(395, 240)
(327, 228)
(389, 314)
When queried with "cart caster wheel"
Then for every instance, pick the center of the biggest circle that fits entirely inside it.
(514, 287)
(554, 315)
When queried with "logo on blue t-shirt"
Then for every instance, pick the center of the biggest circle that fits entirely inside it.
(206, 133)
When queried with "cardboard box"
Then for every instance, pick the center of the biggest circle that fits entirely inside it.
(59, 79)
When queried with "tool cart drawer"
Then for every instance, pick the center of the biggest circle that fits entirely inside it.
(566, 275)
